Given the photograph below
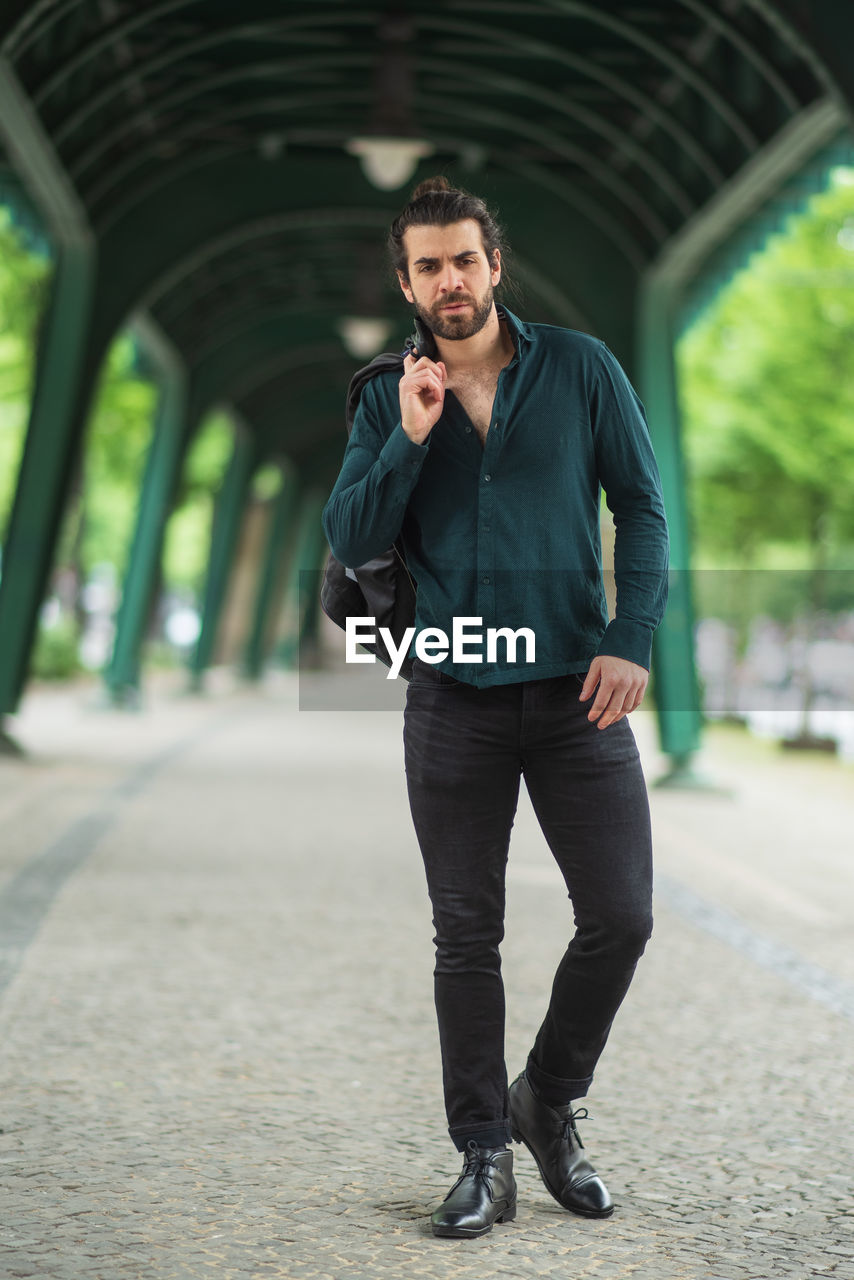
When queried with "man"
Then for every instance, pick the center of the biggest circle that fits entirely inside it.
(486, 459)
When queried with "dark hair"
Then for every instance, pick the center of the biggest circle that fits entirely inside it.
(435, 203)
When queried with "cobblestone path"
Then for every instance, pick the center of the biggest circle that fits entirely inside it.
(217, 1041)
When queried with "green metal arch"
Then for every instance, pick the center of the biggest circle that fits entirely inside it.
(536, 175)
(307, 24)
(166, 175)
(199, 44)
(211, 225)
(523, 88)
(622, 189)
(699, 84)
(308, 102)
(799, 41)
(531, 92)
(746, 50)
(239, 374)
(702, 87)
(245, 317)
(259, 261)
(231, 324)
(687, 142)
(229, 263)
(17, 39)
(266, 30)
(55, 13)
(213, 211)
(208, 248)
(506, 124)
(161, 263)
(274, 68)
(120, 172)
(237, 378)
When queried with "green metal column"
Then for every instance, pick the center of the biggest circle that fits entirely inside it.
(62, 390)
(310, 592)
(226, 529)
(165, 453)
(46, 468)
(676, 689)
(280, 527)
(302, 599)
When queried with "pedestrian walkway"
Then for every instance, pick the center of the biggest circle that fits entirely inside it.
(217, 1041)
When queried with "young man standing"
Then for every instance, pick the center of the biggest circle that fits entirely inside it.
(486, 459)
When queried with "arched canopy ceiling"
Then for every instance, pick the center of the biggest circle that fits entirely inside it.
(601, 129)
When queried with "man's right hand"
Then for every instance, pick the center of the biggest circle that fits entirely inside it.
(422, 396)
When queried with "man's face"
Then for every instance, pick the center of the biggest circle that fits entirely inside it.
(450, 282)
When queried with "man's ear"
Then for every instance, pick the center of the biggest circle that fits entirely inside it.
(496, 267)
(403, 281)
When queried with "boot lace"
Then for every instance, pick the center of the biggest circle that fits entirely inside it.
(570, 1132)
(478, 1160)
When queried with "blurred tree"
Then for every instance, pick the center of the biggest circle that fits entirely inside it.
(187, 542)
(768, 394)
(24, 279)
(767, 385)
(116, 445)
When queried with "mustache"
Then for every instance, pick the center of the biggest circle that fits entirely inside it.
(453, 298)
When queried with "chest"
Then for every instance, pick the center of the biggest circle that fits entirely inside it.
(476, 394)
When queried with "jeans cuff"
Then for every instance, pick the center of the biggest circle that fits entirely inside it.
(496, 1135)
(554, 1090)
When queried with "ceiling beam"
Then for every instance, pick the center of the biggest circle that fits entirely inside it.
(659, 50)
(747, 190)
(35, 160)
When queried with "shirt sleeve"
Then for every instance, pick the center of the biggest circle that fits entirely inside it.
(365, 510)
(629, 476)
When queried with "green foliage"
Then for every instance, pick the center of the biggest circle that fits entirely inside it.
(768, 397)
(103, 506)
(187, 541)
(117, 447)
(24, 280)
(117, 442)
(266, 483)
(55, 651)
(100, 518)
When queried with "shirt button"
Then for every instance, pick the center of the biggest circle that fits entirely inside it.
(485, 581)
(487, 478)
(497, 423)
(487, 528)
(468, 431)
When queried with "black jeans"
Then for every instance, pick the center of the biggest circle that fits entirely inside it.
(465, 750)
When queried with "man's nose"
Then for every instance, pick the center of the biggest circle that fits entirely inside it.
(451, 279)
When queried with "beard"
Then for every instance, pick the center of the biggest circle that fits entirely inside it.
(457, 326)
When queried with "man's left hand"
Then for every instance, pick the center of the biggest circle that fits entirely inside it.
(622, 685)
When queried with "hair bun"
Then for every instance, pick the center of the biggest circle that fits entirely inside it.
(425, 188)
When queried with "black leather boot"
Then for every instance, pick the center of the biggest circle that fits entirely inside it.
(484, 1193)
(550, 1135)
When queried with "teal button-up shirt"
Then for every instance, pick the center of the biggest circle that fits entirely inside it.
(508, 532)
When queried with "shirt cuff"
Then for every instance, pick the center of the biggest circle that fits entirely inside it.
(401, 454)
(629, 640)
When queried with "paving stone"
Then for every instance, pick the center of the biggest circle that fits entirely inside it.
(218, 1055)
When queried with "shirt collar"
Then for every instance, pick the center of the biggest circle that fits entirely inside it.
(518, 330)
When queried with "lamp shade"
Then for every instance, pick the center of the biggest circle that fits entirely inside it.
(363, 336)
(389, 162)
